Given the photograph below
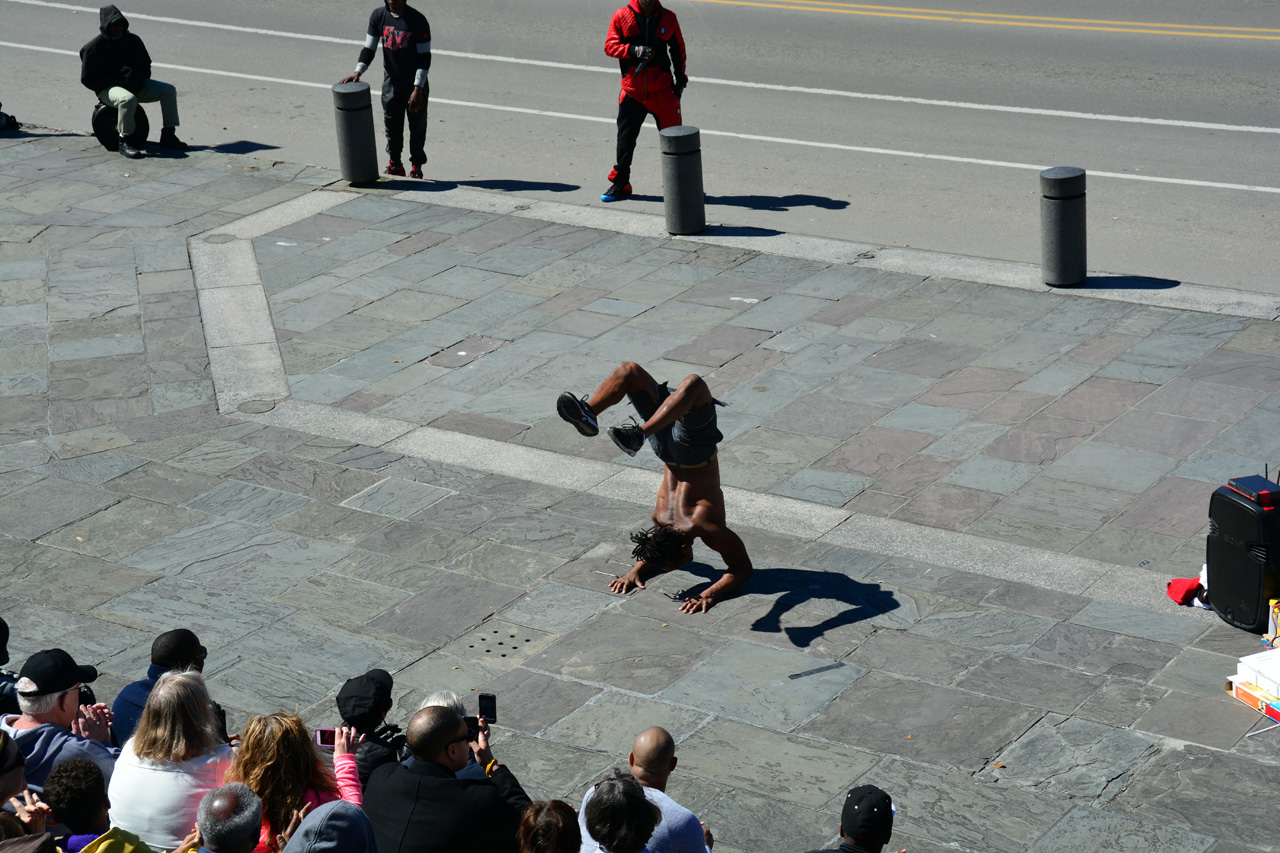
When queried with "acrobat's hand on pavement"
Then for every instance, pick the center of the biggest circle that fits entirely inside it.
(697, 604)
(626, 583)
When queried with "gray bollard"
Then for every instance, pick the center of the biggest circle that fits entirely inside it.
(357, 146)
(683, 199)
(1062, 226)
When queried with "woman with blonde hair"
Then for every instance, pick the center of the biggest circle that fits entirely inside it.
(278, 760)
(175, 757)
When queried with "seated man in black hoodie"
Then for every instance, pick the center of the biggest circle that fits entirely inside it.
(117, 68)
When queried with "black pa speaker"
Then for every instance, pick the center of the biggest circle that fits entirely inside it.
(104, 127)
(1242, 552)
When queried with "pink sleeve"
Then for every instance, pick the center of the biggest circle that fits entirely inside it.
(344, 767)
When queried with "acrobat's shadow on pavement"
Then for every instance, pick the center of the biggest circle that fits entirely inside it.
(863, 599)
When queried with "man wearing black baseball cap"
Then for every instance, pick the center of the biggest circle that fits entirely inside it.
(866, 821)
(53, 726)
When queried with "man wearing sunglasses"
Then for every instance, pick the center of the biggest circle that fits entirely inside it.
(53, 726)
(426, 808)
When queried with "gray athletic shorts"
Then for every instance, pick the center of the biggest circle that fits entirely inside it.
(689, 441)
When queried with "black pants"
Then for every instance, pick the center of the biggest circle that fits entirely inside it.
(395, 109)
(631, 116)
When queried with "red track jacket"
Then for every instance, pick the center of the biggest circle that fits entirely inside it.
(662, 33)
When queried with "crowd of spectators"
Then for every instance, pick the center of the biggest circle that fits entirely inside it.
(159, 772)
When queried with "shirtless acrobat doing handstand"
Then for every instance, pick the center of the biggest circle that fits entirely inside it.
(680, 426)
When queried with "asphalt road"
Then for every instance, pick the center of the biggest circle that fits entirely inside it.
(878, 124)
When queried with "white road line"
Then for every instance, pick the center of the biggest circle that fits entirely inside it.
(751, 137)
(743, 84)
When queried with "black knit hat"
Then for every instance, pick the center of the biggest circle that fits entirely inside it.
(365, 698)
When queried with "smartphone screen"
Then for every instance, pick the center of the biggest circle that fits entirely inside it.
(489, 707)
(473, 726)
(326, 738)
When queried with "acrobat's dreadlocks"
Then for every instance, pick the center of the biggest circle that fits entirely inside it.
(658, 546)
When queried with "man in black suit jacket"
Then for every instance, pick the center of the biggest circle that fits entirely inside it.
(427, 809)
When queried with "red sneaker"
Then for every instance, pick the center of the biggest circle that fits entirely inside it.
(394, 168)
(416, 172)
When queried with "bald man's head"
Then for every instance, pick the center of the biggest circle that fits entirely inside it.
(431, 730)
(230, 818)
(653, 757)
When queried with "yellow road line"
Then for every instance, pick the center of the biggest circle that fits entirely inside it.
(830, 3)
(1135, 27)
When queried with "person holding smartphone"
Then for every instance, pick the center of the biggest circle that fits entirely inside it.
(426, 808)
(363, 702)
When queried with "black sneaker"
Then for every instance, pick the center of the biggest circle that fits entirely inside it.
(629, 438)
(577, 412)
(169, 139)
(126, 148)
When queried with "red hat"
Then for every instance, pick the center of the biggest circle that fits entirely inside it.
(1183, 590)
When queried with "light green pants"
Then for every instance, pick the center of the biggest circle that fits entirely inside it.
(126, 102)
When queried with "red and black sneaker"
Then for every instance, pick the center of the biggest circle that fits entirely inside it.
(394, 168)
(416, 171)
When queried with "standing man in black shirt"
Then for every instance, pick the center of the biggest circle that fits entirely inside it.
(405, 37)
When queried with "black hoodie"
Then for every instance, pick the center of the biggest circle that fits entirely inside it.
(107, 62)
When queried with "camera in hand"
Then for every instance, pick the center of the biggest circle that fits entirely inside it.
(473, 726)
(326, 738)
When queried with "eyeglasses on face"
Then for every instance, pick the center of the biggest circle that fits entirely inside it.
(462, 738)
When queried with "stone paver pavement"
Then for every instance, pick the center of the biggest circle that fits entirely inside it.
(963, 499)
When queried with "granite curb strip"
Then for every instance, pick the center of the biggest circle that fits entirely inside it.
(244, 356)
(1023, 276)
(1008, 561)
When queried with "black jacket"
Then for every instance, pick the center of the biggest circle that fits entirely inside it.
(385, 745)
(426, 809)
(107, 62)
(8, 693)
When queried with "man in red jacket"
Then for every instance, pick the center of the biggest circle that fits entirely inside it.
(645, 39)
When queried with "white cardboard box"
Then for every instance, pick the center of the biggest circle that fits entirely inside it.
(1262, 669)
